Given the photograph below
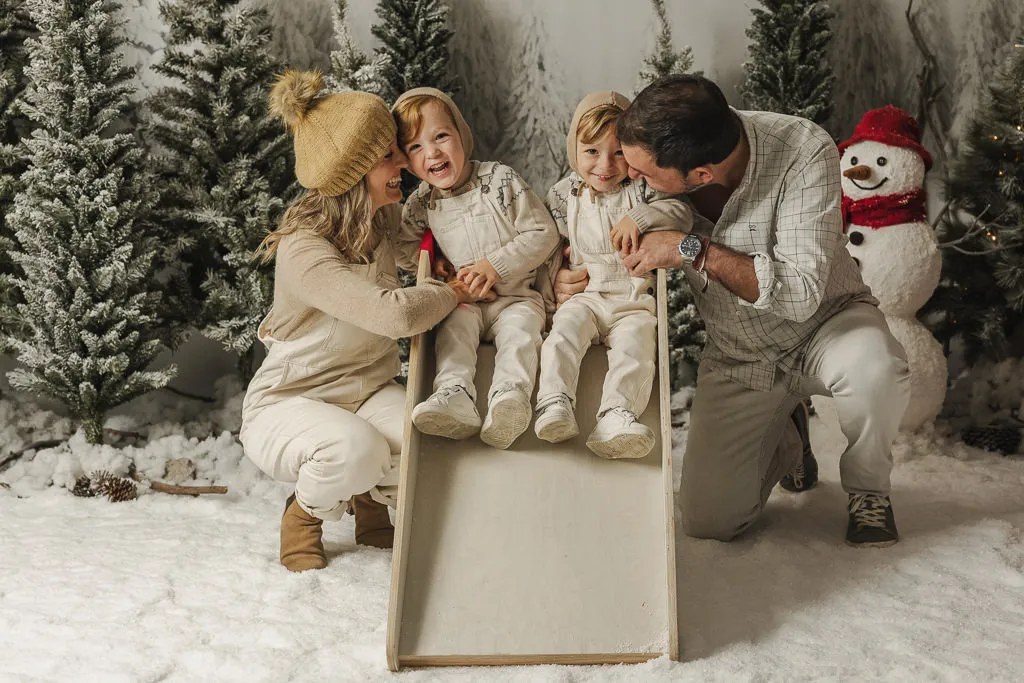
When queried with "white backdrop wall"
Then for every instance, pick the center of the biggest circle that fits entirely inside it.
(525, 63)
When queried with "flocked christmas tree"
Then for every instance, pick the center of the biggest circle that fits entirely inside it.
(686, 334)
(414, 46)
(982, 288)
(15, 27)
(665, 60)
(788, 71)
(351, 68)
(83, 241)
(225, 164)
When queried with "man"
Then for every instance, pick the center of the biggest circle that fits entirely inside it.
(786, 311)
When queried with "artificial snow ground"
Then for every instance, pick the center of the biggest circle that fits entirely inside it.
(172, 588)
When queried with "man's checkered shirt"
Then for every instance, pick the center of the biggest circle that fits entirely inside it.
(785, 214)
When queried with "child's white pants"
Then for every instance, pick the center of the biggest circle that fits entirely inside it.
(513, 324)
(626, 325)
(331, 453)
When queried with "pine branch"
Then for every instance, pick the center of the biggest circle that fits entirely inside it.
(929, 92)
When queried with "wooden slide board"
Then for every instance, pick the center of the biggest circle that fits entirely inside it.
(541, 554)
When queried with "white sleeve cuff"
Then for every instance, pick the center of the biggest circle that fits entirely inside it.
(767, 284)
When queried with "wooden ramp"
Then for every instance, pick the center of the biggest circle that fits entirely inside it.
(541, 554)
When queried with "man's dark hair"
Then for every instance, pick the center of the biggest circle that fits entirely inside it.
(683, 121)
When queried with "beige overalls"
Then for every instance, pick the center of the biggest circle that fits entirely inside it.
(323, 410)
(616, 309)
(501, 219)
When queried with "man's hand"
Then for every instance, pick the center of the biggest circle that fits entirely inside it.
(569, 282)
(443, 268)
(656, 250)
(480, 277)
(626, 236)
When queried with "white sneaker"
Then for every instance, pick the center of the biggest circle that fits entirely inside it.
(619, 435)
(556, 421)
(449, 412)
(508, 416)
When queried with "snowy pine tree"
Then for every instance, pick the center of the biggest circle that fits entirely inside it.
(534, 142)
(84, 244)
(788, 70)
(351, 68)
(665, 61)
(15, 27)
(225, 164)
(686, 334)
(414, 41)
(302, 33)
(982, 291)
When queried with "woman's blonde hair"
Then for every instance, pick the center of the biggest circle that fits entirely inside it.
(596, 123)
(347, 221)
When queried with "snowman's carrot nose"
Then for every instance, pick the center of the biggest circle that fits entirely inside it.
(861, 172)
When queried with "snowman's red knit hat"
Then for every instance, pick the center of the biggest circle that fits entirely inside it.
(891, 126)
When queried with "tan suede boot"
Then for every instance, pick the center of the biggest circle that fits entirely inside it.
(373, 525)
(301, 544)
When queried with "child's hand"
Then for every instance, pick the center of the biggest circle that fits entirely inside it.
(443, 268)
(480, 277)
(626, 236)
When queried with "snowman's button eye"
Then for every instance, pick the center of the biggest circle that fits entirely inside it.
(881, 161)
(856, 239)
(853, 161)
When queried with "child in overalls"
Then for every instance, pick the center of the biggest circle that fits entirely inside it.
(496, 232)
(600, 210)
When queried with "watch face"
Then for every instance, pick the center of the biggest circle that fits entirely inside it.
(689, 247)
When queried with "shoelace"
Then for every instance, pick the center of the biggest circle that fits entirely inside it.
(868, 509)
(445, 392)
(559, 400)
(797, 475)
(624, 414)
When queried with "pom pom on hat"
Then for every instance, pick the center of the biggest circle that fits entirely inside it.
(338, 138)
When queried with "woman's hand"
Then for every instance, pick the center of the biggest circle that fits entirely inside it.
(626, 236)
(480, 277)
(465, 296)
(569, 282)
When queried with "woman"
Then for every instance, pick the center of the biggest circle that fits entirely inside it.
(323, 410)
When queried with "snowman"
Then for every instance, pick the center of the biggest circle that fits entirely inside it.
(883, 167)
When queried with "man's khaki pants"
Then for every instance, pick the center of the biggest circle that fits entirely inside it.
(742, 441)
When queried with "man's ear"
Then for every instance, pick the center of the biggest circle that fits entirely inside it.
(703, 175)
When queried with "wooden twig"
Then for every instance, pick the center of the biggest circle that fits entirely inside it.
(196, 397)
(177, 490)
(929, 93)
(46, 443)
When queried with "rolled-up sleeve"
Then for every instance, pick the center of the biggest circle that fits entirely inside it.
(792, 279)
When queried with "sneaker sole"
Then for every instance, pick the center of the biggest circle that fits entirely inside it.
(794, 491)
(623, 447)
(876, 544)
(506, 422)
(437, 424)
(557, 432)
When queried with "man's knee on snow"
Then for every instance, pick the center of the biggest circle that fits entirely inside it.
(708, 525)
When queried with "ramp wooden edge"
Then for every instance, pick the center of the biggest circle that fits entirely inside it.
(524, 660)
(665, 396)
(406, 476)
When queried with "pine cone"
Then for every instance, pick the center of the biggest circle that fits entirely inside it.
(1005, 440)
(116, 489)
(83, 487)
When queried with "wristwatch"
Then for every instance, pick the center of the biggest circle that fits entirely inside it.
(694, 250)
(690, 247)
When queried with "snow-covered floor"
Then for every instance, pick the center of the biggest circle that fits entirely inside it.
(172, 588)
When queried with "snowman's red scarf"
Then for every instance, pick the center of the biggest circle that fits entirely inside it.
(879, 212)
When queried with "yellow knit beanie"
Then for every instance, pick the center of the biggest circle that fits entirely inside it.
(338, 138)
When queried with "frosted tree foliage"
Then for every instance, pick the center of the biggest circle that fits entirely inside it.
(534, 143)
(15, 27)
(414, 40)
(788, 70)
(665, 60)
(302, 32)
(83, 240)
(351, 68)
(225, 164)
